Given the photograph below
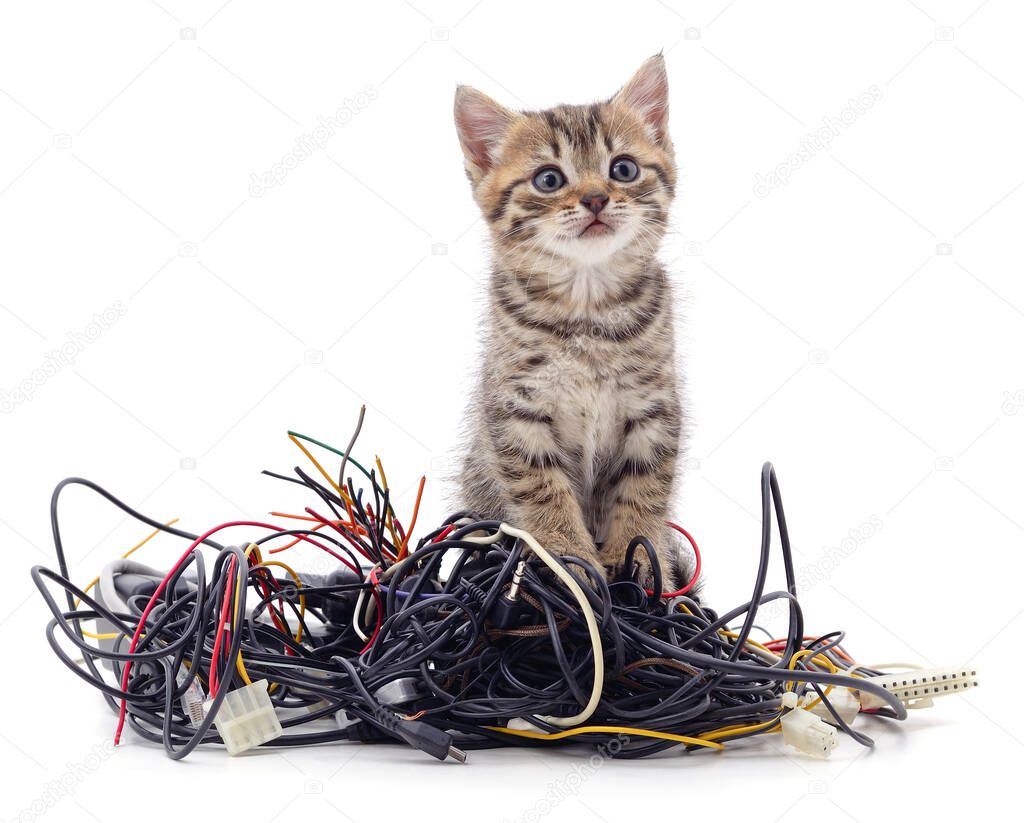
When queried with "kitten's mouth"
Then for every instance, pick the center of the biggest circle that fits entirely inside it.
(596, 229)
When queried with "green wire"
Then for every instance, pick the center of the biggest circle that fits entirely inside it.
(338, 452)
(351, 460)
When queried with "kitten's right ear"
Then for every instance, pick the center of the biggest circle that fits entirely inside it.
(647, 93)
(481, 123)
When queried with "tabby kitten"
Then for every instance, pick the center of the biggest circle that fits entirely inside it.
(576, 424)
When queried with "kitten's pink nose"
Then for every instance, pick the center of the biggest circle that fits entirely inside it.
(595, 201)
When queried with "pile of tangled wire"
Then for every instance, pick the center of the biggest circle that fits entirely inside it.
(475, 638)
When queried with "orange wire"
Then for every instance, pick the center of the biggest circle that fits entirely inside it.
(293, 516)
(355, 528)
(412, 523)
(315, 528)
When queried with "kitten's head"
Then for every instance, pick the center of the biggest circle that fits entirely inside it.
(582, 183)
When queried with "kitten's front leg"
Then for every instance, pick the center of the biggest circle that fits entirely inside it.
(542, 503)
(639, 491)
(538, 492)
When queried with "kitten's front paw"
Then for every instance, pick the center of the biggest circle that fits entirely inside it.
(638, 569)
(583, 549)
(640, 572)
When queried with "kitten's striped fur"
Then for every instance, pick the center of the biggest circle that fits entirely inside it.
(576, 425)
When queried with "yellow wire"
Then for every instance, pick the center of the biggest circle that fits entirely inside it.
(390, 517)
(678, 738)
(749, 642)
(341, 493)
(730, 731)
(821, 660)
(105, 636)
(817, 658)
(128, 553)
(251, 549)
(724, 632)
(96, 579)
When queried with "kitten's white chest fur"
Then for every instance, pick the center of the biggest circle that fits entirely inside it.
(588, 284)
(588, 414)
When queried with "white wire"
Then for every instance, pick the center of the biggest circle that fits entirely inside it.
(588, 613)
(355, 616)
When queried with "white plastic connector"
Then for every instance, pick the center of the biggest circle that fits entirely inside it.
(843, 700)
(523, 725)
(916, 689)
(806, 731)
(246, 718)
(192, 699)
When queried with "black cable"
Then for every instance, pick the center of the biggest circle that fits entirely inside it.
(474, 650)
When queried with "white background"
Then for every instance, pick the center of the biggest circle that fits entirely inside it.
(861, 325)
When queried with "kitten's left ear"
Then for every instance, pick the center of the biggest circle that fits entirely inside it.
(481, 123)
(647, 93)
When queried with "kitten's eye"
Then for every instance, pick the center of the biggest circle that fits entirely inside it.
(548, 180)
(624, 169)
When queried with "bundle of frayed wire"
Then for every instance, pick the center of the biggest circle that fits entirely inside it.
(205, 628)
(476, 638)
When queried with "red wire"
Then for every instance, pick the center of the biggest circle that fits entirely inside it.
(276, 612)
(376, 630)
(376, 594)
(355, 544)
(696, 569)
(380, 609)
(447, 530)
(373, 519)
(398, 528)
(220, 626)
(779, 643)
(122, 713)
